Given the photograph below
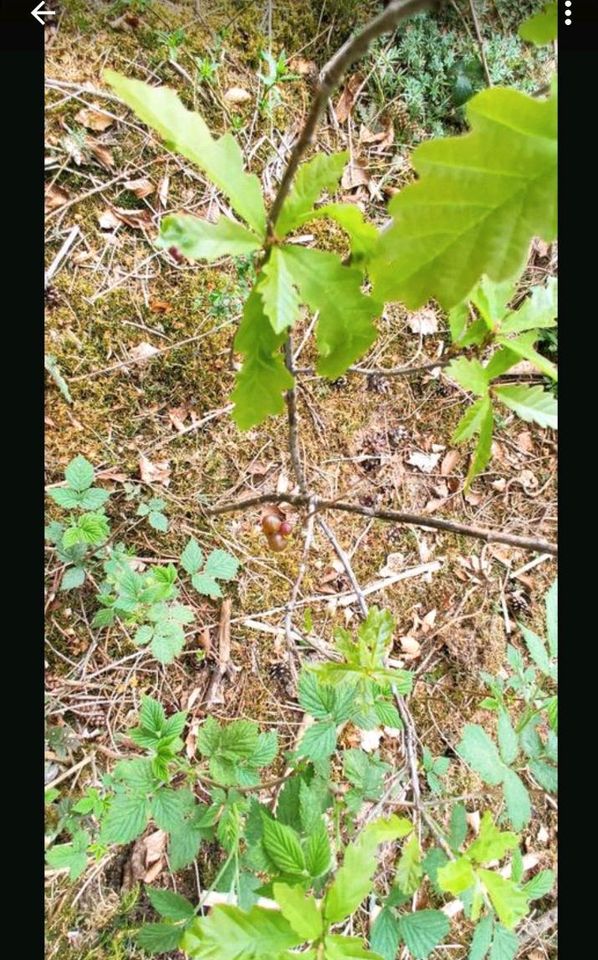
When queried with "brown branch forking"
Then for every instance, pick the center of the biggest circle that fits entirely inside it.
(392, 516)
(349, 53)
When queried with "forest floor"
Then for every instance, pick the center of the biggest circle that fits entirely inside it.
(144, 345)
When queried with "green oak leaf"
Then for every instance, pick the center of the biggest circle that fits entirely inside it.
(479, 200)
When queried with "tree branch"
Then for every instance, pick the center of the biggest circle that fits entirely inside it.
(391, 516)
(349, 53)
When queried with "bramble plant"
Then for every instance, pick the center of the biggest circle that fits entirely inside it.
(88, 526)
(513, 333)
(289, 855)
(149, 600)
(154, 511)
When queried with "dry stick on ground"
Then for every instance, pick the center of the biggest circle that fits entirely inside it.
(391, 516)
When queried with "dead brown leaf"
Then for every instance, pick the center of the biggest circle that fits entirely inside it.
(354, 175)
(146, 860)
(177, 417)
(382, 139)
(237, 95)
(107, 220)
(449, 462)
(158, 472)
(142, 352)
(141, 187)
(345, 102)
(94, 119)
(160, 306)
(410, 647)
(163, 191)
(305, 68)
(137, 219)
(426, 462)
(525, 442)
(102, 154)
(116, 475)
(424, 321)
(55, 197)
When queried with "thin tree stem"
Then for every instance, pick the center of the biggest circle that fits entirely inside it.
(391, 516)
(330, 77)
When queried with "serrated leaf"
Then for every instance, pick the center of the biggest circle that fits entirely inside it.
(538, 310)
(545, 774)
(363, 236)
(508, 743)
(509, 902)
(315, 697)
(504, 945)
(198, 239)
(73, 577)
(265, 750)
(532, 404)
(482, 938)
(221, 565)
(125, 820)
(480, 752)
(278, 292)
(301, 911)
(409, 870)
(491, 300)
(537, 650)
(151, 715)
(159, 937)
(539, 885)
(71, 856)
(523, 347)
(206, 585)
(79, 474)
(184, 844)
(385, 936)
(345, 329)
(263, 377)
(282, 845)
(317, 851)
(422, 931)
(167, 642)
(469, 374)
(472, 420)
(483, 449)
(456, 876)
(319, 740)
(170, 905)
(479, 200)
(320, 173)
(353, 881)
(187, 133)
(168, 809)
(542, 28)
(192, 556)
(158, 522)
(345, 948)
(432, 862)
(228, 933)
(491, 843)
(65, 497)
(517, 799)
(458, 826)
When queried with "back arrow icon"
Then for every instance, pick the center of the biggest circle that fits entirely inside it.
(38, 13)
